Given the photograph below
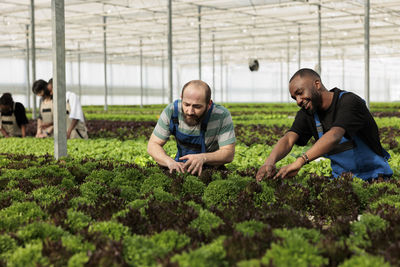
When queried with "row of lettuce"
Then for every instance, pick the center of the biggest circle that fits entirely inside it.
(135, 151)
(80, 212)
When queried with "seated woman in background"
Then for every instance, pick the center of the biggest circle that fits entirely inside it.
(45, 120)
(13, 119)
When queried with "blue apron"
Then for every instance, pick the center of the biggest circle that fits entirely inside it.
(353, 155)
(186, 143)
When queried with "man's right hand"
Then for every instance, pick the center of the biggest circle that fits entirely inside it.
(177, 166)
(267, 170)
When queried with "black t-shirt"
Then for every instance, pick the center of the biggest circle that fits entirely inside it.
(20, 114)
(349, 112)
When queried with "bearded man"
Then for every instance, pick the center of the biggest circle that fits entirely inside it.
(344, 130)
(203, 132)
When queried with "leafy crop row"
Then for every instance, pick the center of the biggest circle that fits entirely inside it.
(91, 212)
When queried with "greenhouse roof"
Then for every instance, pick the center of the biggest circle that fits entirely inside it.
(241, 29)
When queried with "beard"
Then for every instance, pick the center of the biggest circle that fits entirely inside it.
(316, 102)
(193, 120)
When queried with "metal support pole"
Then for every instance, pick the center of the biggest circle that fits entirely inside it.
(343, 72)
(288, 66)
(366, 52)
(79, 72)
(105, 63)
(28, 82)
(319, 40)
(34, 114)
(199, 22)
(60, 125)
(163, 77)
(213, 63)
(299, 47)
(226, 82)
(282, 87)
(222, 72)
(170, 69)
(141, 74)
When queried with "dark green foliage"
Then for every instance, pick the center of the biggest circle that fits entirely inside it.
(192, 186)
(40, 231)
(78, 260)
(212, 254)
(92, 190)
(112, 230)
(206, 222)
(9, 196)
(7, 244)
(101, 176)
(76, 244)
(103, 213)
(46, 195)
(18, 214)
(365, 261)
(296, 248)
(250, 228)
(154, 181)
(218, 193)
(263, 194)
(144, 251)
(29, 255)
(160, 195)
(367, 225)
(101, 206)
(77, 220)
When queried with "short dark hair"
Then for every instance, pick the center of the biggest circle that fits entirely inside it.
(6, 100)
(38, 86)
(201, 84)
(305, 72)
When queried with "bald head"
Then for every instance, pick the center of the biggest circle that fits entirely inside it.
(198, 87)
(306, 73)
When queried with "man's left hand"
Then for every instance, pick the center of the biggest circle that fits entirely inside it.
(194, 163)
(290, 170)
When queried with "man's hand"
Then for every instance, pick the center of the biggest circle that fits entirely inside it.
(291, 169)
(194, 163)
(177, 166)
(267, 170)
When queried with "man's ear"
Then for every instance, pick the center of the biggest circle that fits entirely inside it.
(317, 84)
(209, 104)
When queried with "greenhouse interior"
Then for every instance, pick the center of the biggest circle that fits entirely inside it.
(293, 159)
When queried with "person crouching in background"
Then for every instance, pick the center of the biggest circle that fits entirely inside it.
(13, 119)
(45, 120)
(76, 127)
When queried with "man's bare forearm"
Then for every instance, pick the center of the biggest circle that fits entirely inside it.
(280, 150)
(325, 143)
(221, 156)
(23, 130)
(158, 153)
(74, 122)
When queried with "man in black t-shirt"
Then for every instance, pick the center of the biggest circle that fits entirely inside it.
(13, 119)
(345, 131)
